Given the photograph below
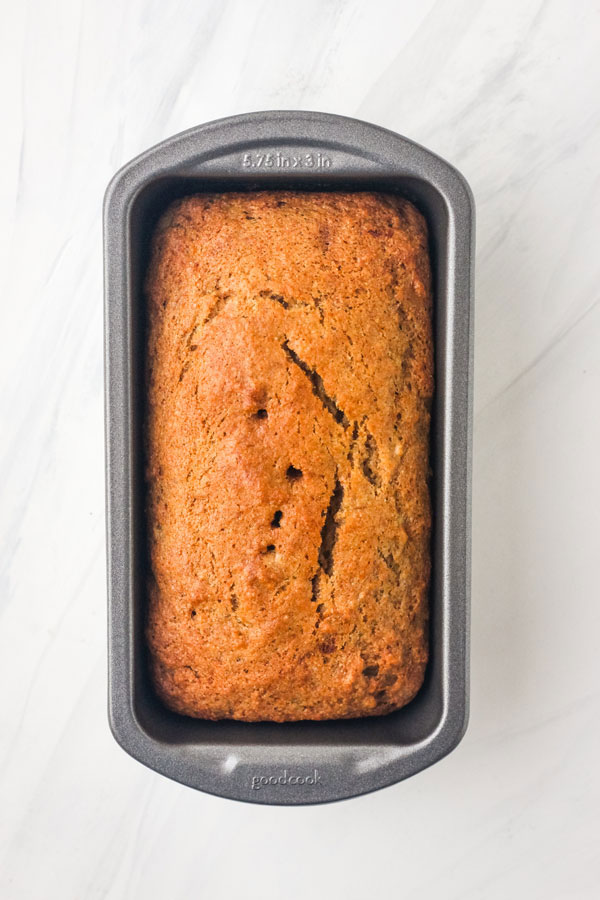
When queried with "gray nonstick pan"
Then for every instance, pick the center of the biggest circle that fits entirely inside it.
(303, 762)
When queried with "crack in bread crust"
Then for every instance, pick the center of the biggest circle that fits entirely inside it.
(318, 387)
(330, 528)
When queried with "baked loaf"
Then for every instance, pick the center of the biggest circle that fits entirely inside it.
(289, 365)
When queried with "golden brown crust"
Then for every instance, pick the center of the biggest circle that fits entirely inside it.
(290, 372)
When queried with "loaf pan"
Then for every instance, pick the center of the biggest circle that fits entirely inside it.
(304, 762)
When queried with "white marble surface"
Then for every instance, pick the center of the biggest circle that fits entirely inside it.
(508, 92)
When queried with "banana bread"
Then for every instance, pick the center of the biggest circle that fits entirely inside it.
(289, 383)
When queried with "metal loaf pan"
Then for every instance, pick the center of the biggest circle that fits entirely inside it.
(307, 762)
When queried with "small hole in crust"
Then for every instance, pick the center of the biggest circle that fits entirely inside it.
(261, 414)
(293, 473)
(371, 671)
(276, 521)
(270, 548)
(193, 613)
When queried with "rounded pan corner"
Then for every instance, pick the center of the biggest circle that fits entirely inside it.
(136, 742)
(462, 189)
(452, 731)
(115, 194)
(124, 727)
(108, 200)
(124, 730)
